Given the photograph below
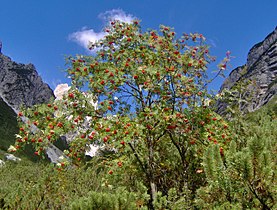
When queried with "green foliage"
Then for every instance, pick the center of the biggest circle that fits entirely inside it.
(119, 199)
(174, 200)
(245, 176)
(28, 185)
(151, 92)
(163, 147)
(8, 129)
(8, 126)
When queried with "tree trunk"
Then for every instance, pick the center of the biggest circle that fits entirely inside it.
(151, 178)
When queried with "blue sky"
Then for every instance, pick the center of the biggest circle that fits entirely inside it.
(42, 32)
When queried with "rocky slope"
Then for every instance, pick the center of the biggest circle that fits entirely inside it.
(259, 73)
(21, 84)
(8, 125)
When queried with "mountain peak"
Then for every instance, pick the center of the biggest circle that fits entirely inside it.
(20, 84)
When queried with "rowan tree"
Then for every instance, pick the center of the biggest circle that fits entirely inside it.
(153, 105)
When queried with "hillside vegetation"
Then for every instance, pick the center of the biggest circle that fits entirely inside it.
(8, 127)
(242, 180)
(163, 146)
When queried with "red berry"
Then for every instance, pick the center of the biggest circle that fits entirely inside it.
(119, 164)
(105, 139)
(192, 142)
(20, 114)
(149, 127)
(171, 127)
(60, 124)
(71, 95)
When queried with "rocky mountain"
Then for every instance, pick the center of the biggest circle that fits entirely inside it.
(258, 75)
(21, 84)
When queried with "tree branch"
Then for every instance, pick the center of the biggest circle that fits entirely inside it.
(139, 160)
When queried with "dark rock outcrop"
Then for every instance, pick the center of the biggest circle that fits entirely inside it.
(21, 84)
(8, 125)
(260, 70)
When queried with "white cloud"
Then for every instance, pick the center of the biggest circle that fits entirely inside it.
(87, 35)
(84, 36)
(116, 14)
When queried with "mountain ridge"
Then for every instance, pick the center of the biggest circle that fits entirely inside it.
(260, 70)
(20, 84)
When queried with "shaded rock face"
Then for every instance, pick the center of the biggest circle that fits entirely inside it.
(8, 125)
(21, 84)
(260, 70)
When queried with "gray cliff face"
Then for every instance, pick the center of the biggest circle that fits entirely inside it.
(260, 70)
(21, 84)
